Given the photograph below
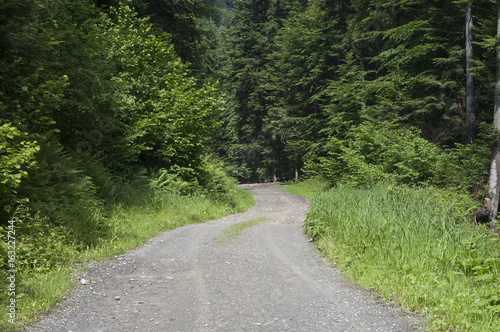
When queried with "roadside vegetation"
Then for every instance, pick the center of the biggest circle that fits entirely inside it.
(48, 257)
(107, 126)
(307, 188)
(414, 246)
(123, 118)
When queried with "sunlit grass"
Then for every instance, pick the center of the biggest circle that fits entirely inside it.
(415, 247)
(308, 188)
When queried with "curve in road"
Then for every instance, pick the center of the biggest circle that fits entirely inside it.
(267, 279)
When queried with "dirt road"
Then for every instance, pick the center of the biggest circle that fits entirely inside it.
(266, 279)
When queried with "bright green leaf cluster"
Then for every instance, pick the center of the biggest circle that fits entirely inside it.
(17, 155)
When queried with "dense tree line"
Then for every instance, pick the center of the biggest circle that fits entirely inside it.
(100, 99)
(97, 92)
(359, 91)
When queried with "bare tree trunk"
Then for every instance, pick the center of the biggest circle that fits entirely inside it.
(495, 161)
(296, 169)
(493, 184)
(470, 114)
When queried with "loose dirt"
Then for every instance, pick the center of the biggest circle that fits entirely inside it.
(268, 278)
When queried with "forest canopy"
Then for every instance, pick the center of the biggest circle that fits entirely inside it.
(355, 91)
(94, 94)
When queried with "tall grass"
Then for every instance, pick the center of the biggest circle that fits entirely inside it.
(413, 246)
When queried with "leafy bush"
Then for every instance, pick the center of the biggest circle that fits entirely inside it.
(373, 153)
(61, 193)
(39, 246)
(379, 152)
(213, 177)
(16, 158)
(464, 167)
(169, 116)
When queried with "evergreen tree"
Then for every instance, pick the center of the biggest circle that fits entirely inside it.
(251, 141)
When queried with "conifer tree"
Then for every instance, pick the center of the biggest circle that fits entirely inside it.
(251, 138)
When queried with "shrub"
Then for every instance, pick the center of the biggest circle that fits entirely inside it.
(61, 193)
(464, 167)
(379, 152)
(16, 158)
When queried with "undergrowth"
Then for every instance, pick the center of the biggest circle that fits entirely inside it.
(416, 247)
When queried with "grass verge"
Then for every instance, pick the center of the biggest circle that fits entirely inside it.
(415, 247)
(308, 188)
(128, 225)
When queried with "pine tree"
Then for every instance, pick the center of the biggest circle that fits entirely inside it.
(252, 140)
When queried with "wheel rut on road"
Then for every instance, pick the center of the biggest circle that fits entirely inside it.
(269, 278)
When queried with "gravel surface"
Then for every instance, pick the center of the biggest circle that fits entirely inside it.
(267, 279)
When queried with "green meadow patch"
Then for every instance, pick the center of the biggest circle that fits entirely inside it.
(308, 188)
(414, 246)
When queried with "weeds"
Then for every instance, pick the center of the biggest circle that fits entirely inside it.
(233, 232)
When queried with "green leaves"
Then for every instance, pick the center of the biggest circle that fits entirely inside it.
(171, 117)
(16, 157)
(95, 87)
(380, 152)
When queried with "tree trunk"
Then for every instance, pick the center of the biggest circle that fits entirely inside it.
(493, 184)
(296, 169)
(495, 161)
(470, 114)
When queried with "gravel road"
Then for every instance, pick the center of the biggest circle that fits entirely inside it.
(267, 279)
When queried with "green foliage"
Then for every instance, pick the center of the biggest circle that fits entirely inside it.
(170, 118)
(413, 246)
(16, 157)
(330, 67)
(188, 22)
(40, 247)
(61, 193)
(213, 178)
(372, 153)
(464, 167)
(253, 123)
(99, 113)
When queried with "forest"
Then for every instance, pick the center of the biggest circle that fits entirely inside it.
(328, 87)
(108, 107)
